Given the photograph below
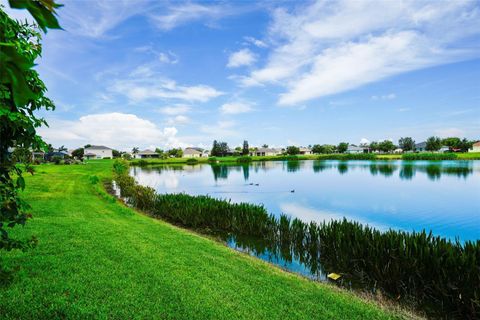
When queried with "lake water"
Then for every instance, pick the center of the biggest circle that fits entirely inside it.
(441, 196)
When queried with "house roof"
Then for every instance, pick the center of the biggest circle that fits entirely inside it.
(146, 152)
(421, 145)
(476, 144)
(304, 149)
(266, 150)
(192, 151)
(98, 148)
(355, 148)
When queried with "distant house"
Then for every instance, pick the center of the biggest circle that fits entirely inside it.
(193, 153)
(475, 147)
(265, 152)
(444, 149)
(38, 155)
(305, 151)
(354, 149)
(97, 152)
(146, 154)
(55, 153)
(398, 150)
(421, 147)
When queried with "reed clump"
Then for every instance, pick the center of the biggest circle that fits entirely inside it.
(429, 156)
(434, 274)
(347, 156)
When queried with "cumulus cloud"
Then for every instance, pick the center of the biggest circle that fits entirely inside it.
(364, 141)
(327, 47)
(235, 108)
(243, 57)
(178, 120)
(116, 130)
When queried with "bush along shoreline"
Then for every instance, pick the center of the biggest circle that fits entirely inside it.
(432, 274)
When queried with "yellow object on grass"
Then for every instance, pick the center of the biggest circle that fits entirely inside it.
(333, 276)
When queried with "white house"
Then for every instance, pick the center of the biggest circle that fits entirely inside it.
(193, 153)
(354, 149)
(305, 150)
(97, 152)
(475, 147)
(146, 154)
(265, 152)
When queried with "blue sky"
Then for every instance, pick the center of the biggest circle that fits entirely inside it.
(169, 74)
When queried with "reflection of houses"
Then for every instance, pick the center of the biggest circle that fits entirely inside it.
(146, 154)
(475, 147)
(97, 152)
(193, 153)
(265, 152)
(354, 149)
(420, 147)
(305, 151)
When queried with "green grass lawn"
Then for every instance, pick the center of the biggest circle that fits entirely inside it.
(99, 259)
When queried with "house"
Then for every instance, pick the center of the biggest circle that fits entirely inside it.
(38, 155)
(146, 154)
(421, 147)
(97, 152)
(444, 149)
(262, 152)
(55, 153)
(305, 151)
(193, 153)
(475, 147)
(354, 149)
(398, 150)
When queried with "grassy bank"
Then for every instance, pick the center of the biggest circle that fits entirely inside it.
(415, 268)
(459, 156)
(99, 259)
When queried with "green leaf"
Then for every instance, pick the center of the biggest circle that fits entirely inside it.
(43, 11)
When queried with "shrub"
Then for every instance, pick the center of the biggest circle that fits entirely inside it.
(142, 163)
(192, 161)
(347, 156)
(107, 158)
(429, 156)
(56, 159)
(244, 159)
(212, 159)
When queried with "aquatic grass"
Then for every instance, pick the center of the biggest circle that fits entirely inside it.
(191, 161)
(429, 156)
(431, 273)
(244, 159)
(347, 156)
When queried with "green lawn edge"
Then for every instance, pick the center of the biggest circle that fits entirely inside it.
(97, 258)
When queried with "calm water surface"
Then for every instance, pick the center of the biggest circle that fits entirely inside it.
(442, 196)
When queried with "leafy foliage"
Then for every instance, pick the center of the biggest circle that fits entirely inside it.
(429, 156)
(433, 144)
(22, 93)
(342, 147)
(293, 150)
(406, 144)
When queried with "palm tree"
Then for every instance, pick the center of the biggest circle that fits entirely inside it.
(135, 150)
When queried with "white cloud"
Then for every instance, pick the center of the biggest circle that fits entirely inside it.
(167, 57)
(115, 130)
(175, 109)
(389, 96)
(147, 88)
(403, 109)
(178, 120)
(327, 47)
(220, 129)
(235, 108)
(450, 132)
(243, 57)
(364, 141)
(255, 42)
(178, 15)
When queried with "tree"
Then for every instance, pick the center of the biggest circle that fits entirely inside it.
(342, 147)
(215, 152)
(317, 149)
(374, 146)
(292, 150)
(433, 144)
(177, 153)
(135, 150)
(22, 94)
(265, 146)
(116, 153)
(406, 144)
(219, 149)
(245, 150)
(78, 153)
(451, 143)
(465, 145)
(386, 146)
